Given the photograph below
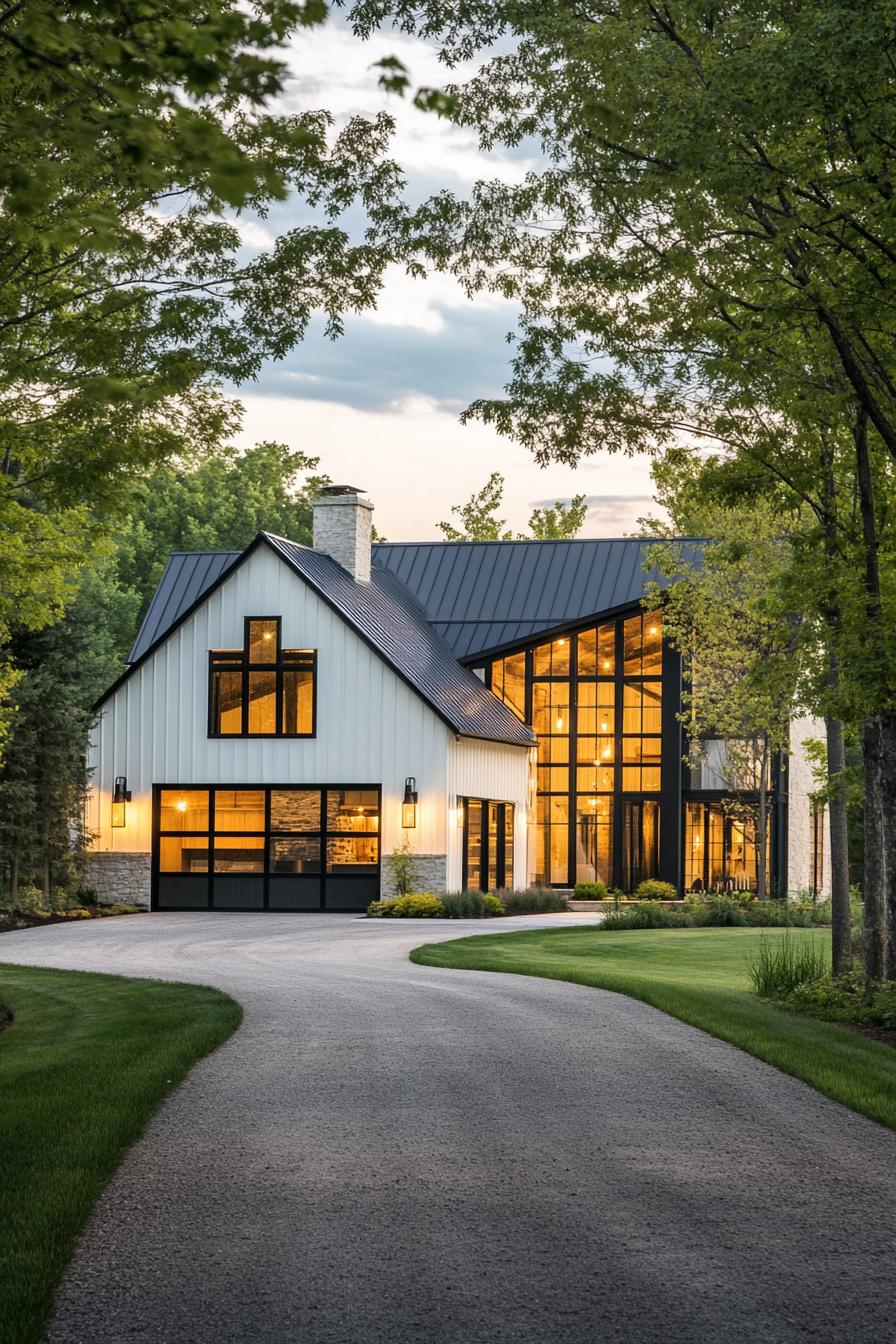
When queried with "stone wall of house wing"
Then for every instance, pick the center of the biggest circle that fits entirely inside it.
(119, 878)
(800, 784)
(429, 874)
(371, 727)
(505, 774)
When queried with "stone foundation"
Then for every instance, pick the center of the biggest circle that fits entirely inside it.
(429, 874)
(119, 879)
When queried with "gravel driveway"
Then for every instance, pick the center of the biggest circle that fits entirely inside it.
(389, 1152)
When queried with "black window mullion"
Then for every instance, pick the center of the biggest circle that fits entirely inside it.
(573, 760)
(211, 844)
(323, 848)
(265, 899)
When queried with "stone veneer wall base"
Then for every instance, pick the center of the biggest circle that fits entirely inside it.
(429, 874)
(119, 879)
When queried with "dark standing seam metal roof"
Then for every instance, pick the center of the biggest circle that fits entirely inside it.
(487, 595)
(185, 578)
(478, 596)
(387, 617)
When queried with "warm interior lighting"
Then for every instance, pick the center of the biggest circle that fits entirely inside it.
(604, 727)
(651, 629)
(409, 803)
(559, 722)
(607, 753)
(181, 804)
(606, 663)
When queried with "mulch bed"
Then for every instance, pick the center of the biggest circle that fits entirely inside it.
(12, 923)
(885, 1035)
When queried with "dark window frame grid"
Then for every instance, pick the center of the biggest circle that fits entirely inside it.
(323, 833)
(484, 847)
(298, 660)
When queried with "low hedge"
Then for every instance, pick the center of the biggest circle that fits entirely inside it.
(416, 905)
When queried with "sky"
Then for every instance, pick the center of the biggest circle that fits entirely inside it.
(380, 406)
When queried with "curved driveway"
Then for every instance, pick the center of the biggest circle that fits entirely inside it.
(389, 1152)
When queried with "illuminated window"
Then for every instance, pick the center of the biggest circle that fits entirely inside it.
(262, 690)
(720, 849)
(488, 845)
(509, 682)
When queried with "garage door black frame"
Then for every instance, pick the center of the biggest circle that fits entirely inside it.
(336, 882)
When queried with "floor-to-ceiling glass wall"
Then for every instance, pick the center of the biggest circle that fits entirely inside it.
(594, 698)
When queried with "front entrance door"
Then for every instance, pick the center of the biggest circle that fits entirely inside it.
(488, 845)
(225, 847)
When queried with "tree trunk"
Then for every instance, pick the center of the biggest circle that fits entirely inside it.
(46, 874)
(841, 930)
(874, 852)
(888, 816)
(14, 878)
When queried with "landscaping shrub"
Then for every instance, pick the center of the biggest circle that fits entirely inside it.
(471, 905)
(416, 905)
(783, 966)
(537, 900)
(590, 891)
(120, 910)
(844, 998)
(653, 890)
(721, 912)
(777, 914)
(644, 914)
(31, 901)
(822, 912)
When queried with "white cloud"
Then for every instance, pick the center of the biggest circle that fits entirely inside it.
(332, 68)
(417, 461)
(407, 301)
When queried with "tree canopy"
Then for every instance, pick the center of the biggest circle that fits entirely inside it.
(480, 522)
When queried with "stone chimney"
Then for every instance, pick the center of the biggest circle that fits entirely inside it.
(343, 525)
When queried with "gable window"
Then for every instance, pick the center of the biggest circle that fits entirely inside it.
(262, 689)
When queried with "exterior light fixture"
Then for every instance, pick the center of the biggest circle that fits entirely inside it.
(121, 795)
(409, 803)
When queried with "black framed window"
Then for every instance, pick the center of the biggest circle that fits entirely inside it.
(262, 689)
(488, 845)
(816, 821)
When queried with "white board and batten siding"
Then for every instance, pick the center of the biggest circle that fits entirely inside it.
(371, 727)
(489, 770)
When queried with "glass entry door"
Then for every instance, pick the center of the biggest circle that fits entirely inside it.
(488, 845)
(640, 841)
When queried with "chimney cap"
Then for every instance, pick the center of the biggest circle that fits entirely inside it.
(343, 490)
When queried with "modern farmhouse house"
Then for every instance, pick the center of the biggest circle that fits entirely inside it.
(291, 714)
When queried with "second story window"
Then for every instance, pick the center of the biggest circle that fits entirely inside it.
(262, 689)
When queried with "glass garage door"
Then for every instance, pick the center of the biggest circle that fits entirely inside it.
(271, 848)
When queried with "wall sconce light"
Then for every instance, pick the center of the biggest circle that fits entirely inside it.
(121, 795)
(409, 803)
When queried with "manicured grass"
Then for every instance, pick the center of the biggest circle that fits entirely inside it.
(701, 977)
(84, 1063)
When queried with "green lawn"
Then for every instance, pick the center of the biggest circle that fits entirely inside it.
(85, 1062)
(700, 976)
